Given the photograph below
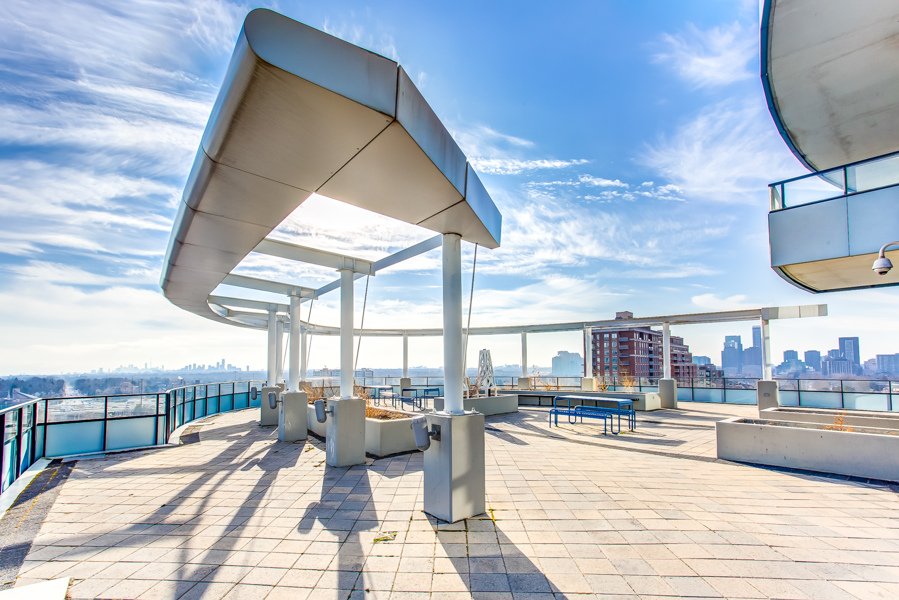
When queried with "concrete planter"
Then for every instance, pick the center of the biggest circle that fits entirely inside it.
(864, 452)
(827, 416)
(493, 405)
(382, 437)
(386, 437)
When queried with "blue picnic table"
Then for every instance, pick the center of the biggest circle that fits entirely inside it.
(580, 411)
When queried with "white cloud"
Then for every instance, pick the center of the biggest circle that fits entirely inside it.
(514, 166)
(728, 153)
(713, 302)
(714, 57)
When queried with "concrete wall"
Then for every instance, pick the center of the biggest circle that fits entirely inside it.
(811, 447)
(494, 405)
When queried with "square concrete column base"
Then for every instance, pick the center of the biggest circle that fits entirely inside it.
(524, 383)
(268, 416)
(405, 382)
(454, 477)
(768, 394)
(345, 436)
(292, 418)
(588, 384)
(668, 393)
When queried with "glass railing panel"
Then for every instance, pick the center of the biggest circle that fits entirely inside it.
(130, 433)
(226, 389)
(226, 402)
(241, 400)
(74, 438)
(74, 409)
(788, 397)
(708, 395)
(821, 399)
(25, 459)
(212, 390)
(12, 426)
(819, 385)
(179, 415)
(200, 391)
(866, 386)
(740, 396)
(790, 385)
(9, 459)
(189, 394)
(873, 174)
(861, 401)
(130, 406)
(242, 387)
(811, 189)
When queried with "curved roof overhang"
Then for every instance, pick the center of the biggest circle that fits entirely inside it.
(302, 112)
(830, 70)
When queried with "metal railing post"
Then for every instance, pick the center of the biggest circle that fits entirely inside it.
(842, 398)
(18, 469)
(105, 419)
(3, 452)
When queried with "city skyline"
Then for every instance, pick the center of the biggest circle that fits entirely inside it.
(636, 181)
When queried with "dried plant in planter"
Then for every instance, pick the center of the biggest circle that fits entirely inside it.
(838, 424)
(373, 412)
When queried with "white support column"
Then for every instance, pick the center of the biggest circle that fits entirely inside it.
(666, 351)
(405, 355)
(272, 347)
(304, 366)
(346, 333)
(766, 350)
(452, 323)
(293, 380)
(588, 352)
(279, 353)
(524, 353)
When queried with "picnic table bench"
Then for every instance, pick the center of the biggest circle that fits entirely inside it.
(605, 413)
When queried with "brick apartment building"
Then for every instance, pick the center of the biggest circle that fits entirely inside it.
(637, 351)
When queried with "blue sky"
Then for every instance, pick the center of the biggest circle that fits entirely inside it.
(627, 145)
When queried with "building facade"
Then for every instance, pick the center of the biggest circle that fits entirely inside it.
(568, 364)
(637, 352)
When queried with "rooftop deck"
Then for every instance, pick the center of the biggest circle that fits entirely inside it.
(572, 515)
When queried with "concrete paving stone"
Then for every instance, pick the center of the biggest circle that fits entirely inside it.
(167, 590)
(207, 591)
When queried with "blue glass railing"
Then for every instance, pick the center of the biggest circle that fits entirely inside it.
(854, 178)
(58, 427)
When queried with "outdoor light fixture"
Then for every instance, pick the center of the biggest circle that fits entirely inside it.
(883, 265)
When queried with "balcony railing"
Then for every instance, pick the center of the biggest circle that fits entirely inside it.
(57, 427)
(854, 178)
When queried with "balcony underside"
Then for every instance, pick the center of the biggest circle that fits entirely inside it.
(831, 77)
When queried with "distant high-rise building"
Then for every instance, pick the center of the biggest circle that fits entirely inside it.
(702, 360)
(835, 353)
(757, 337)
(813, 359)
(732, 355)
(568, 364)
(790, 355)
(831, 367)
(888, 364)
(849, 350)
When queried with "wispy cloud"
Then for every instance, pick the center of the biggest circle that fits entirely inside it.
(715, 57)
(728, 153)
(514, 166)
(714, 302)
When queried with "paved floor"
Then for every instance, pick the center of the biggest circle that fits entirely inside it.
(572, 515)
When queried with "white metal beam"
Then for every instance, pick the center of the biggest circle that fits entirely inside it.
(314, 256)
(265, 285)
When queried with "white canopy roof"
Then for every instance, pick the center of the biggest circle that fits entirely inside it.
(302, 112)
